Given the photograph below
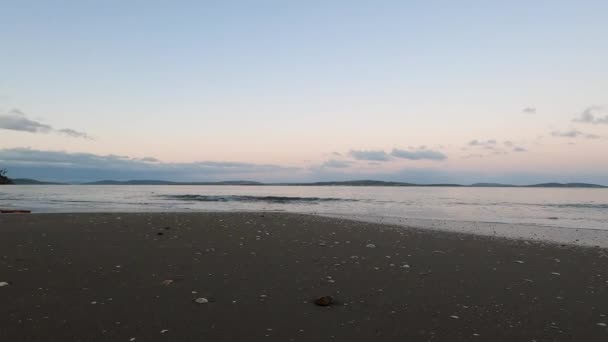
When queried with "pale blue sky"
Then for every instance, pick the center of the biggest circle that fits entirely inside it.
(306, 85)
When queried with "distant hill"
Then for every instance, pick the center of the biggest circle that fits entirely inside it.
(364, 182)
(492, 185)
(161, 182)
(353, 183)
(565, 185)
(27, 181)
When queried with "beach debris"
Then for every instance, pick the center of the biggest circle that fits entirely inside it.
(370, 245)
(201, 300)
(167, 282)
(13, 211)
(4, 283)
(324, 301)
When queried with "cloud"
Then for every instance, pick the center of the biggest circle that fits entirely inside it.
(487, 144)
(574, 133)
(66, 166)
(15, 120)
(589, 115)
(373, 155)
(334, 163)
(73, 133)
(529, 110)
(470, 156)
(420, 154)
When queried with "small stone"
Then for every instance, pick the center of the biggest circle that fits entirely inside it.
(201, 300)
(602, 324)
(555, 273)
(160, 233)
(167, 282)
(454, 317)
(164, 331)
(4, 283)
(370, 245)
(324, 301)
(518, 262)
(132, 339)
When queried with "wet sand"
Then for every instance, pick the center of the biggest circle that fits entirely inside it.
(135, 277)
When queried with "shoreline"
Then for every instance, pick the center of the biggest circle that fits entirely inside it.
(118, 276)
(584, 237)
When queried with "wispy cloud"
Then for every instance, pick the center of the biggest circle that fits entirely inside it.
(529, 110)
(574, 133)
(374, 155)
(16, 120)
(592, 115)
(335, 163)
(487, 144)
(73, 133)
(419, 154)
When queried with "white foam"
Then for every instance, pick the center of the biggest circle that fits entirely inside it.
(560, 235)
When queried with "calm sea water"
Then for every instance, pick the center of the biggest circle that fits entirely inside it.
(567, 208)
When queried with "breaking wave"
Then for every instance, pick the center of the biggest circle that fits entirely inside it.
(243, 198)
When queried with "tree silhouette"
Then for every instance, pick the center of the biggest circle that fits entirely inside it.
(3, 178)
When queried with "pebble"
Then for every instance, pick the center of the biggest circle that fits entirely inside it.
(602, 324)
(4, 283)
(454, 317)
(370, 245)
(324, 301)
(201, 300)
(164, 331)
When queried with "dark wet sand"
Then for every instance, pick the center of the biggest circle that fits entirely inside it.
(97, 277)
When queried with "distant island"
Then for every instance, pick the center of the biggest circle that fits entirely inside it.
(365, 182)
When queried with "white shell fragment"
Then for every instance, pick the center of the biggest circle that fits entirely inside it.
(201, 300)
(3, 283)
(370, 245)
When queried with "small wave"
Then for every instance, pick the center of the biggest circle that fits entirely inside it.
(581, 205)
(547, 205)
(244, 198)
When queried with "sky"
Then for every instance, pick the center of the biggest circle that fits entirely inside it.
(414, 91)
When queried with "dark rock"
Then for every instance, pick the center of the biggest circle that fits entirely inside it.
(324, 301)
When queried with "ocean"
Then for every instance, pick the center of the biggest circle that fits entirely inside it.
(541, 209)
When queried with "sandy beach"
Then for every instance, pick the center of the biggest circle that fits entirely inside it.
(255, 277)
